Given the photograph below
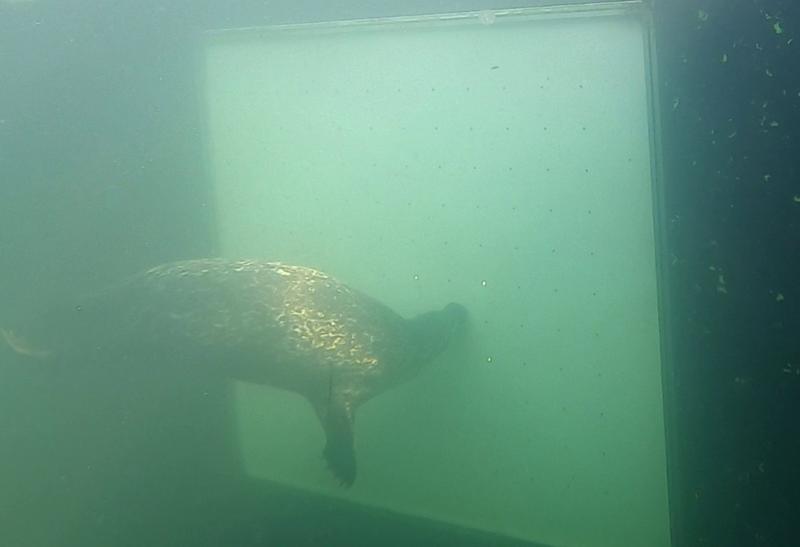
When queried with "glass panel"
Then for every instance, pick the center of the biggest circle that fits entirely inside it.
(500, 161)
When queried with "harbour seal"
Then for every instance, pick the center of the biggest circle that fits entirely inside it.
(291, 327)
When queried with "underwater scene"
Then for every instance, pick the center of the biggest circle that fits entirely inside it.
(436, 273)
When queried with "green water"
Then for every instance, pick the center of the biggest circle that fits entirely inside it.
(502, 164)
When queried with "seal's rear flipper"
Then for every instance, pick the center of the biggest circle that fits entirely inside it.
(337, 421)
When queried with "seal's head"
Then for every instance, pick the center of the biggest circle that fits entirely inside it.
(458, 317)
(434, 331)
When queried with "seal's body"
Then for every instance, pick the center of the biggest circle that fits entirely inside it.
(288, 326)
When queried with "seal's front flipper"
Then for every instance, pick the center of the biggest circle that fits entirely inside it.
(337, 421)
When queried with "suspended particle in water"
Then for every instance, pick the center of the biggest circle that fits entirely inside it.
(721, 284)
(483, 283)
(416, 277)
(489, 360)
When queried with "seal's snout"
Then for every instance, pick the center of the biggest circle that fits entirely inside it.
(459, 317)
(22, 346)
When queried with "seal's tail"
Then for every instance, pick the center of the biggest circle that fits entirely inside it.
(22, 346)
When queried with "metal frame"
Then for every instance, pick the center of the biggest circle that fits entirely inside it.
(488, 16)
(661, 220)
(638, 8)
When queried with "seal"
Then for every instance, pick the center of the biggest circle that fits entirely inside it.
(287, 326)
